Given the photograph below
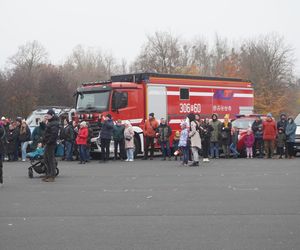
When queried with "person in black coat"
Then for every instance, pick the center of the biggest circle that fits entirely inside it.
(205, 134)
(50, 141)
(106, 133)
(257, 129)
(11, 142)
(2, 138)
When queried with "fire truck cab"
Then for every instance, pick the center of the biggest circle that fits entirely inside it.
(132, 97)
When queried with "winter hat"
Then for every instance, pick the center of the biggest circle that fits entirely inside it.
(109, 116)
(127, 123)
(3, 118)
(83, 124)
(269, 115)
(183, 124)
(51, 112)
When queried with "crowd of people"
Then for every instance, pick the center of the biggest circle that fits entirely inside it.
(206, 137)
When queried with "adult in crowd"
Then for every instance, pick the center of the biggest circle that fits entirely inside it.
(129, 141)
(81, 141)
(282, 123)
(164, 132)
(68, 137)
(50, 142)
(215, 136)
(24, 138)
(195, 140)
(205, 135)
(11, 141)
(226, 136)
(234, 141)
(269, 135)
(38, 134)
(17, 126)
(2, 138)
(257, 129)
(290, 132)
(118, 137)
(150, 127)
(106, 133)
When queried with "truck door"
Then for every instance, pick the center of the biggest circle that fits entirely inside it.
(157, 101)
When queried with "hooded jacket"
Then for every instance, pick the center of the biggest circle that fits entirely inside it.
(269, 129)
(82, 136)
(290, 131)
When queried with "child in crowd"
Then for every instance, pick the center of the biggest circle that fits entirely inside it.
(183, 143)
(175, 143)
(281, 140)
(37, 153)
(249, 142)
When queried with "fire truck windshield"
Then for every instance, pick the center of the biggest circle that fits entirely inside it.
(93, 101)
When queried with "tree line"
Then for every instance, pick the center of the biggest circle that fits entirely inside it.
(32, 80)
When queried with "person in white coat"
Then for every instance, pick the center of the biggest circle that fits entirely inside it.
(195, 139)
(129, 141)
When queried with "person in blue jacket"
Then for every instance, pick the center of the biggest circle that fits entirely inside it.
(290, 132)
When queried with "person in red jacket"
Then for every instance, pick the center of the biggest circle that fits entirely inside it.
(269, 135)
(81, 141)
(150, 133)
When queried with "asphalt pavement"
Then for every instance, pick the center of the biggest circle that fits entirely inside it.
(223, 204)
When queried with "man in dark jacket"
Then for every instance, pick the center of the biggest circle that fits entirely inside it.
(50, 141)
(118, 136)
(282, 123)
(106, 132)
(2, 136)
(164, 132)
(68, 137)
(257, 129)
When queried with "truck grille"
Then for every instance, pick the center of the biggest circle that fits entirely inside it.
(96, 129)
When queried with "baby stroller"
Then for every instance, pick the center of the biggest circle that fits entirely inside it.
(38, 165)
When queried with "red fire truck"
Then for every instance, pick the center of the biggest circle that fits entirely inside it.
(132, 97)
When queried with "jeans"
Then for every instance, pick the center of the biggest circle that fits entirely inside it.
(259, 144)
(214, 149)
(105, 143)
(50, 161)
(24, 148)
(185, 152)
(233, 149)
(82, 153)
(129, 152)
(165, 148)
(121, 146)
(69, 150)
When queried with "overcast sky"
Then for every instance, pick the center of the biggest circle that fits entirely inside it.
(121, 26)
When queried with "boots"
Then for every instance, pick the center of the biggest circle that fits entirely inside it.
(194, 164)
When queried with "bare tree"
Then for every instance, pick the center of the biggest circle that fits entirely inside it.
(161, 53)
(29, 56)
